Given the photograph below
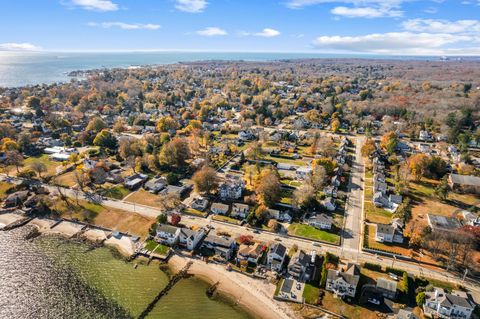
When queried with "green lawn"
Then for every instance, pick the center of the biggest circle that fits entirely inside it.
(279, 285)
(45, 159)
(286, 160)
(310, 232)
(377, 215)
(368, 193)
(156, 248)
(4, 188)
(311, 293)
(226, 219)
(116, 192)
(195, 212)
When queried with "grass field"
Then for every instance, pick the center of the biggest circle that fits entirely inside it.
(226, 219)
(310, 232)
(376, 215)
(195, 212)
(156, 248)
(143, 197)
(67, 179)
(311, 294)
(45, 159)
(116, 192)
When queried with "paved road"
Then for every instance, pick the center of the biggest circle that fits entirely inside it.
(351, 235)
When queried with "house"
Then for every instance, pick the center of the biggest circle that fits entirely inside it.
(343, 283)
(442, 223)
(199, 203)
(174, 190)
(470, 218)
(321, 221)
(250, 253)
(395, 199)
(16, 199)
(406, 314)
(155, 185)
(329, 204)
(167, 234)
(379, 200)
(424, 136)
(390, 233)
(440, 304)
(464, 183)
(274, 213)
(276, 256)
(222, 246)
(331, 191)
(379, 186)
(190, 238)
(232, 187)
(297, 267)
(240, 210)
(388, 288)
(219, 208)
(134, 181)
(303, 172)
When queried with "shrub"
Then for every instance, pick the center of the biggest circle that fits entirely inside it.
(420, 299)
(374, 267)
(28, 173)
(395, 271)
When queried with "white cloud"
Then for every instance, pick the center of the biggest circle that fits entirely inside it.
(431, 10)
(442, 26)
(18, 47)
(366, 12)
(125, 26)
(298, 4)
(399, 43)
(96, 5)
(192, 6)
(268, 33)
(211, 32)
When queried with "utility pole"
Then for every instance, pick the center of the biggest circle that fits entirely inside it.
(465, 275)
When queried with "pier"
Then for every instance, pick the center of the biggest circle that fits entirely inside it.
(174, 280)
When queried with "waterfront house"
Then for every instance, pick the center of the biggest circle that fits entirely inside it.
(297, 267)
(276, 256)
(343, 283)
(167, 234)
(251, 253)
(386, 287)
(222, 246)
(190, 238)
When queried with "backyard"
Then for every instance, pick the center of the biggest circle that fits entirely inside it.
(310, 232)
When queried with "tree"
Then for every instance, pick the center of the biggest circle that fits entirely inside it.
(7, 144)
(404, 211)
(273, 225)
(166, 123)
(162, 218)
(335, 125)
(175, 153)
(14, 158)
(38, 167)
(318, 178)
(205, 180)
(105, 139)
(328, 164)
(175, 219)
(418, 164)
(267, 187)
(303, 194)
(441, 191)
(420, 299)
(389, 142)
(245, 239)
(96, 124)
(368, 148)
(261, 214)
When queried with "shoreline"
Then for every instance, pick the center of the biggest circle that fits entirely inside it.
(252, 296)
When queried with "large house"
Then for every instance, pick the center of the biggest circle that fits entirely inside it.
(321, 221)
(190, 238)
(219, 208)
(297, 267)
(388, 288)
(135, 180)
(155, 185)
(250, 253)
(442, 223)
(222, 246)
(232, 188)
(240, 210)
(390, 233)
(464, 183)
(276, 256)
(343, 283)
(167, 234)
(440, 304)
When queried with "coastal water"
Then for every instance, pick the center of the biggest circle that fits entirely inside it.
(50, 277)
(27, 68)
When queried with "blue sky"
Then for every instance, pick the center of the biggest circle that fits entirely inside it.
(402, 27)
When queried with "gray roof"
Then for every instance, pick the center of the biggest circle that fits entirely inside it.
(321, 218)
(167, 229)
(466, 180)
(443, 222)
(406, 314)
(278, 249)
(351, 275)
(386, 284)
(218, 241)
(385, 229)
(287, 286)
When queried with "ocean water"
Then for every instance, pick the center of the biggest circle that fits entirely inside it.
(52, 278)
(26, 68)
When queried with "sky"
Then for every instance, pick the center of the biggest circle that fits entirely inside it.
(385, 27)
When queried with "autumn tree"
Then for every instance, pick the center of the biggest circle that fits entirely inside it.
(106, 139)
(205, 180)
(96, 124)
(368, 148)
(417, 164)
(335, 125)
(328, 164)
(166, 123)
(389, 142)
(441, 191)
(7, 144)
(175, 219)
(14, 158)
(267, 187)
(175, 153)
(38, 167)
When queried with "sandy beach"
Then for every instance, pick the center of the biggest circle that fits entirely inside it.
(8, 218)
(253, 294)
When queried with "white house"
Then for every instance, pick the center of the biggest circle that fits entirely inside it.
(303, 172)
(167, 234)
(440, 304)
(219, 208)
(329, 204)
(321, 221)
(390, 233)
(190, 238)
(232, 187)
(276, 256)
(343, 283)
(240, 210)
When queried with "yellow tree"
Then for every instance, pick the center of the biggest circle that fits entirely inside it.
(418, 165)
(368, 148)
